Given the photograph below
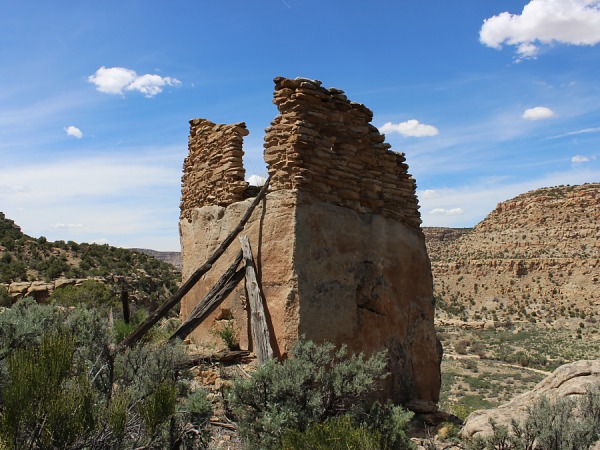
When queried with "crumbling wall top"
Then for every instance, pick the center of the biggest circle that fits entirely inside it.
(323, 143)
(213, 172)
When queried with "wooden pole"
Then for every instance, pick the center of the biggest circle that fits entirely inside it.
(228, 281)
(162, 310)
(258, 320)
(125, 303)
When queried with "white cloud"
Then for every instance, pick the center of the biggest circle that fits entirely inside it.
(412, 128)
(538, 113)
(74, 131)
(112, 80)
(65, 226)
(150, 85)
(429, 194)
(115, 80)
(482, 197)
(256, 180)
(578, 159)
(127, 198)
(575, 22)
(527, 50)
(448, 212)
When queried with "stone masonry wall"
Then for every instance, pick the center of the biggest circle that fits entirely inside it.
(337, 240)
(213, 172)
(324, 144)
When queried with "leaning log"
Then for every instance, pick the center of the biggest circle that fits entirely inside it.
(258, 320)
(143, 328)
(227, 283)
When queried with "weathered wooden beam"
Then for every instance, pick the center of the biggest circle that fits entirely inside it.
(125, 304)
(143, 328)
(224, 356)
(227, 283)
(258, 320)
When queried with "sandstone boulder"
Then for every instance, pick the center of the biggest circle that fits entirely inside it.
(570, 380)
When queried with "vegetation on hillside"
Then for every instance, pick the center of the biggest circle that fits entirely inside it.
(23, 258)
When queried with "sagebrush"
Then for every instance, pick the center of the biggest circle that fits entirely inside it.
(62, 386)
(316, 384)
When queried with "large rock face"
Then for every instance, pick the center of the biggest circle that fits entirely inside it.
(337, 242)
(364, 280)
(570, 380)
(272, 238)
(535, 257)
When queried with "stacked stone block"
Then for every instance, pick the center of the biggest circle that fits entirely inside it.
(325, 144)
(213, 172)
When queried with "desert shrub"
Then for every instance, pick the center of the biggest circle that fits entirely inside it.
(5, 298)
(90, 293)
(158, 406)
(24, 323)
(461, 346)
(316, 384)
(388, 420)
(62, 386)
(337, 433)
(564, 424)
(479, 349)
(228, 335)
(42, 403)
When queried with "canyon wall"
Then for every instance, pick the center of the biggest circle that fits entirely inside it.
(534, 258)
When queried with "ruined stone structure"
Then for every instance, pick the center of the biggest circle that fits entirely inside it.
(213, 171)
(337, 239)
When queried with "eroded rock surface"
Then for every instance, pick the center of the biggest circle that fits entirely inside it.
(570, 380)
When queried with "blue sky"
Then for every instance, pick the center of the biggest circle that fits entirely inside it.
(488, 99)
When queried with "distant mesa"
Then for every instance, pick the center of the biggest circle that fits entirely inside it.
(535, 257)
(173, 258)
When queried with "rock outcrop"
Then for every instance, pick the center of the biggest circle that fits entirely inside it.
(40, 291)
(337, 242)
(173, 258)
(571, 380)
(536, 257)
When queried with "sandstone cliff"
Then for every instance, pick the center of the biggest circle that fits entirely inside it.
(337, 242)
(535, 257)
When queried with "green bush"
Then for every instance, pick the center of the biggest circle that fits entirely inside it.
(228, 335)
(158, 406)
(337, 433)
(43, 404)
(61, 386)
(5, 298)
(90, 293)
(317, 383)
